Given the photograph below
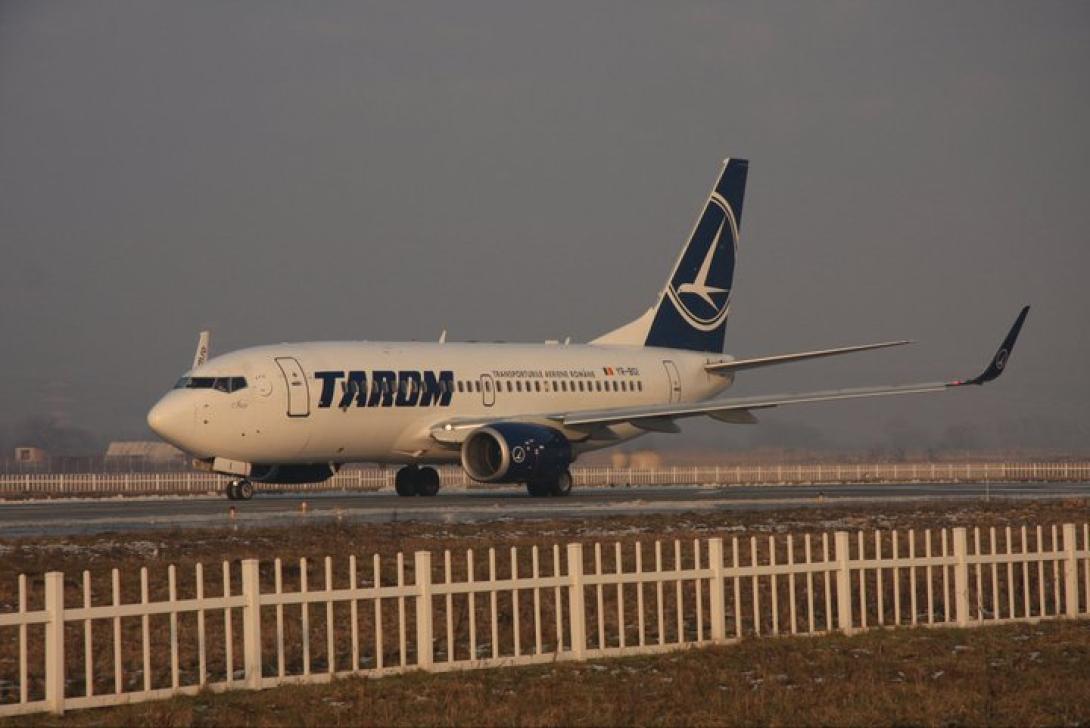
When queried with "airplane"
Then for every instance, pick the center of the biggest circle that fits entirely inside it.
(508, 413)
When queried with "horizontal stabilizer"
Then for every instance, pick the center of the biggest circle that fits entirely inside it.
(767, 361)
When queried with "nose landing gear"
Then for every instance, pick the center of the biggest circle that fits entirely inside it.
(412, 480)
(239, 489)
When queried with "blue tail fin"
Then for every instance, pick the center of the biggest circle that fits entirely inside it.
(693, 308)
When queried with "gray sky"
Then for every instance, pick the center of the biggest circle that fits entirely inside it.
(291, 171)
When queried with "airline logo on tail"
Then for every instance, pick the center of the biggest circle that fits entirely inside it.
(701, 286)
(692, 310)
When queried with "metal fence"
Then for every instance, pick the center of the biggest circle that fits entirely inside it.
(254, 625)
(369, 479)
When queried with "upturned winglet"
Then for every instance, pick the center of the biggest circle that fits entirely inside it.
(999, 361)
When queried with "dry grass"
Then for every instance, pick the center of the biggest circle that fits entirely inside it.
(1012, 675)
(130, 552)
(185, 547)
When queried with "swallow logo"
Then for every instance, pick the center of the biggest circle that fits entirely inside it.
(700, 286)
(693, 288)
(1001, 359)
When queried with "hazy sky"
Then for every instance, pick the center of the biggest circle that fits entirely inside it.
(289, 171)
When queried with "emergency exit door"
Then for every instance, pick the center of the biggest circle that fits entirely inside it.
(298, 389)
(488, 394)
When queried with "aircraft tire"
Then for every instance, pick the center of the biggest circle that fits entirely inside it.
(561, 485)
(405, 481)
(539, 488)
(231, 490)
(427, 482)
(245, 490)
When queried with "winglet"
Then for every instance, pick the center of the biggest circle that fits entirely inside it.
(200, 356)
(999, 361)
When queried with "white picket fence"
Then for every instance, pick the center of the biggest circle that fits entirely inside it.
(77, 647)
(369, 479)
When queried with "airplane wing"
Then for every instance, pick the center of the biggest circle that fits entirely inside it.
(660, 418)
(728, 409)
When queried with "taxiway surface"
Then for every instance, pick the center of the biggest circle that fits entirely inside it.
(75, 516)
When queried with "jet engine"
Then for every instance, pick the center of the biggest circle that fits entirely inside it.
(513, 452)
(293, 474)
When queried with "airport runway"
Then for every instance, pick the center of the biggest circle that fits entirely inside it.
(75, 516)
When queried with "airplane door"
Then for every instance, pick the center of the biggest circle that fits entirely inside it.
(488, 392)
(675, 380)
(298, 390)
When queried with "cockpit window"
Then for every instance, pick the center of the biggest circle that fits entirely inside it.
(222, 384)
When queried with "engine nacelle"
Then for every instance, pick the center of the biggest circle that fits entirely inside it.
(512, 452)
(293, 474)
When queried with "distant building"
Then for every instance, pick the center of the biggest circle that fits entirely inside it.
(638, 459)
(144, 452)
(30, 456)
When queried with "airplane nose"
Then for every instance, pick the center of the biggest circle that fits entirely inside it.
(170, 418)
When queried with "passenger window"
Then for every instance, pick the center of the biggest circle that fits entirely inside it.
(518, 385)
(477, 386)
(639, 385)
(460, 385)
(615, 386)
(537, 386)
(581, 386)
(509, 389)
(487, 386)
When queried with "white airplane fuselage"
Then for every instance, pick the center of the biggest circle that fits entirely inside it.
(510, 413)
(315, 413)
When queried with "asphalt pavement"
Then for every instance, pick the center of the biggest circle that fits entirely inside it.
(75, 516)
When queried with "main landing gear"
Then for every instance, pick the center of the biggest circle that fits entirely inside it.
(412, 480)
(558, 485)
(239, 489)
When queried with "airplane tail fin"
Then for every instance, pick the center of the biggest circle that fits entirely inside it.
(693, 307)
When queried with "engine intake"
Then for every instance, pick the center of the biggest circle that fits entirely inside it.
(512, 452)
